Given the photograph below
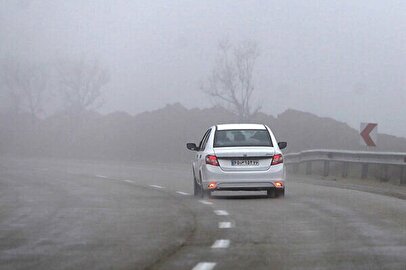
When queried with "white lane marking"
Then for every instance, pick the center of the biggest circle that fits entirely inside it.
(222, 243)
(129, 181)
(204, 266)
(205, 202)
(182, 193)
(225, 225)
(101, 176)
(156, 186)
(221, 212)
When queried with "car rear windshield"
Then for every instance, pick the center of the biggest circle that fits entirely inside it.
(242, 137)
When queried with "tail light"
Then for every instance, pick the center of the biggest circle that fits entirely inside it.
(277, 159)
(212, 160)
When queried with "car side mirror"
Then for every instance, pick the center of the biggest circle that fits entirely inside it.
(282, 145)
(192, 146)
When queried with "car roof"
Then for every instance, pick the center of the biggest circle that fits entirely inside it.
(240, 126)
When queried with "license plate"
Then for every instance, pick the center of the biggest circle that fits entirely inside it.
(244, 163)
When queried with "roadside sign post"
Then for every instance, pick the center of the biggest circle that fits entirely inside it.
(369, 138)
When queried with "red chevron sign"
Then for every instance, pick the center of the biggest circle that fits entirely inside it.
(368, 132)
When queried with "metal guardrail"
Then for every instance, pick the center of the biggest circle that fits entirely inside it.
(363, 158)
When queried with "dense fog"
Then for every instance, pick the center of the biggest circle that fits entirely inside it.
(340, 59)
(128, 136)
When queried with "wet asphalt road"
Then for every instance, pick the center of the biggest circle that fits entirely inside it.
(94, 215)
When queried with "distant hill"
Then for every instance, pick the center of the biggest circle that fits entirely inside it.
(161, 135)
(308, 131)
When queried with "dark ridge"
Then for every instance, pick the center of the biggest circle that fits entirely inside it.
(161, 135)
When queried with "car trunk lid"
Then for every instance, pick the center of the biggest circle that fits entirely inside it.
(244, 158)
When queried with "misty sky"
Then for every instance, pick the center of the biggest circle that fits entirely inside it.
(342, 59)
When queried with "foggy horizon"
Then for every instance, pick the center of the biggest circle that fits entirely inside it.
(202, 135)
(341, 60)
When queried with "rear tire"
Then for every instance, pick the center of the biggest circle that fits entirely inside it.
(202, 191)
(281, 193)
(206, 194)
(271, 193)
(196, 188)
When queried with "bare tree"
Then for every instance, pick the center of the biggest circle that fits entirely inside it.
(12, 93)
(25, 85)
(231, 80)
(81, 84)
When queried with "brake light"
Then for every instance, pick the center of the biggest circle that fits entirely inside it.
(212, 160)
(277, 159)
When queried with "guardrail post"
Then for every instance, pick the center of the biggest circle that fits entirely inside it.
(308, 167)
(364, 171)
(326, 170)
(402, 175)
(384, 173)
(295, 167)
(345, 168)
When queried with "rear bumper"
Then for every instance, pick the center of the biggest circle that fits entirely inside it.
(244, 186)
(243, 180)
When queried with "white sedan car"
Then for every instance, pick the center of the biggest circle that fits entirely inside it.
(238, 157)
